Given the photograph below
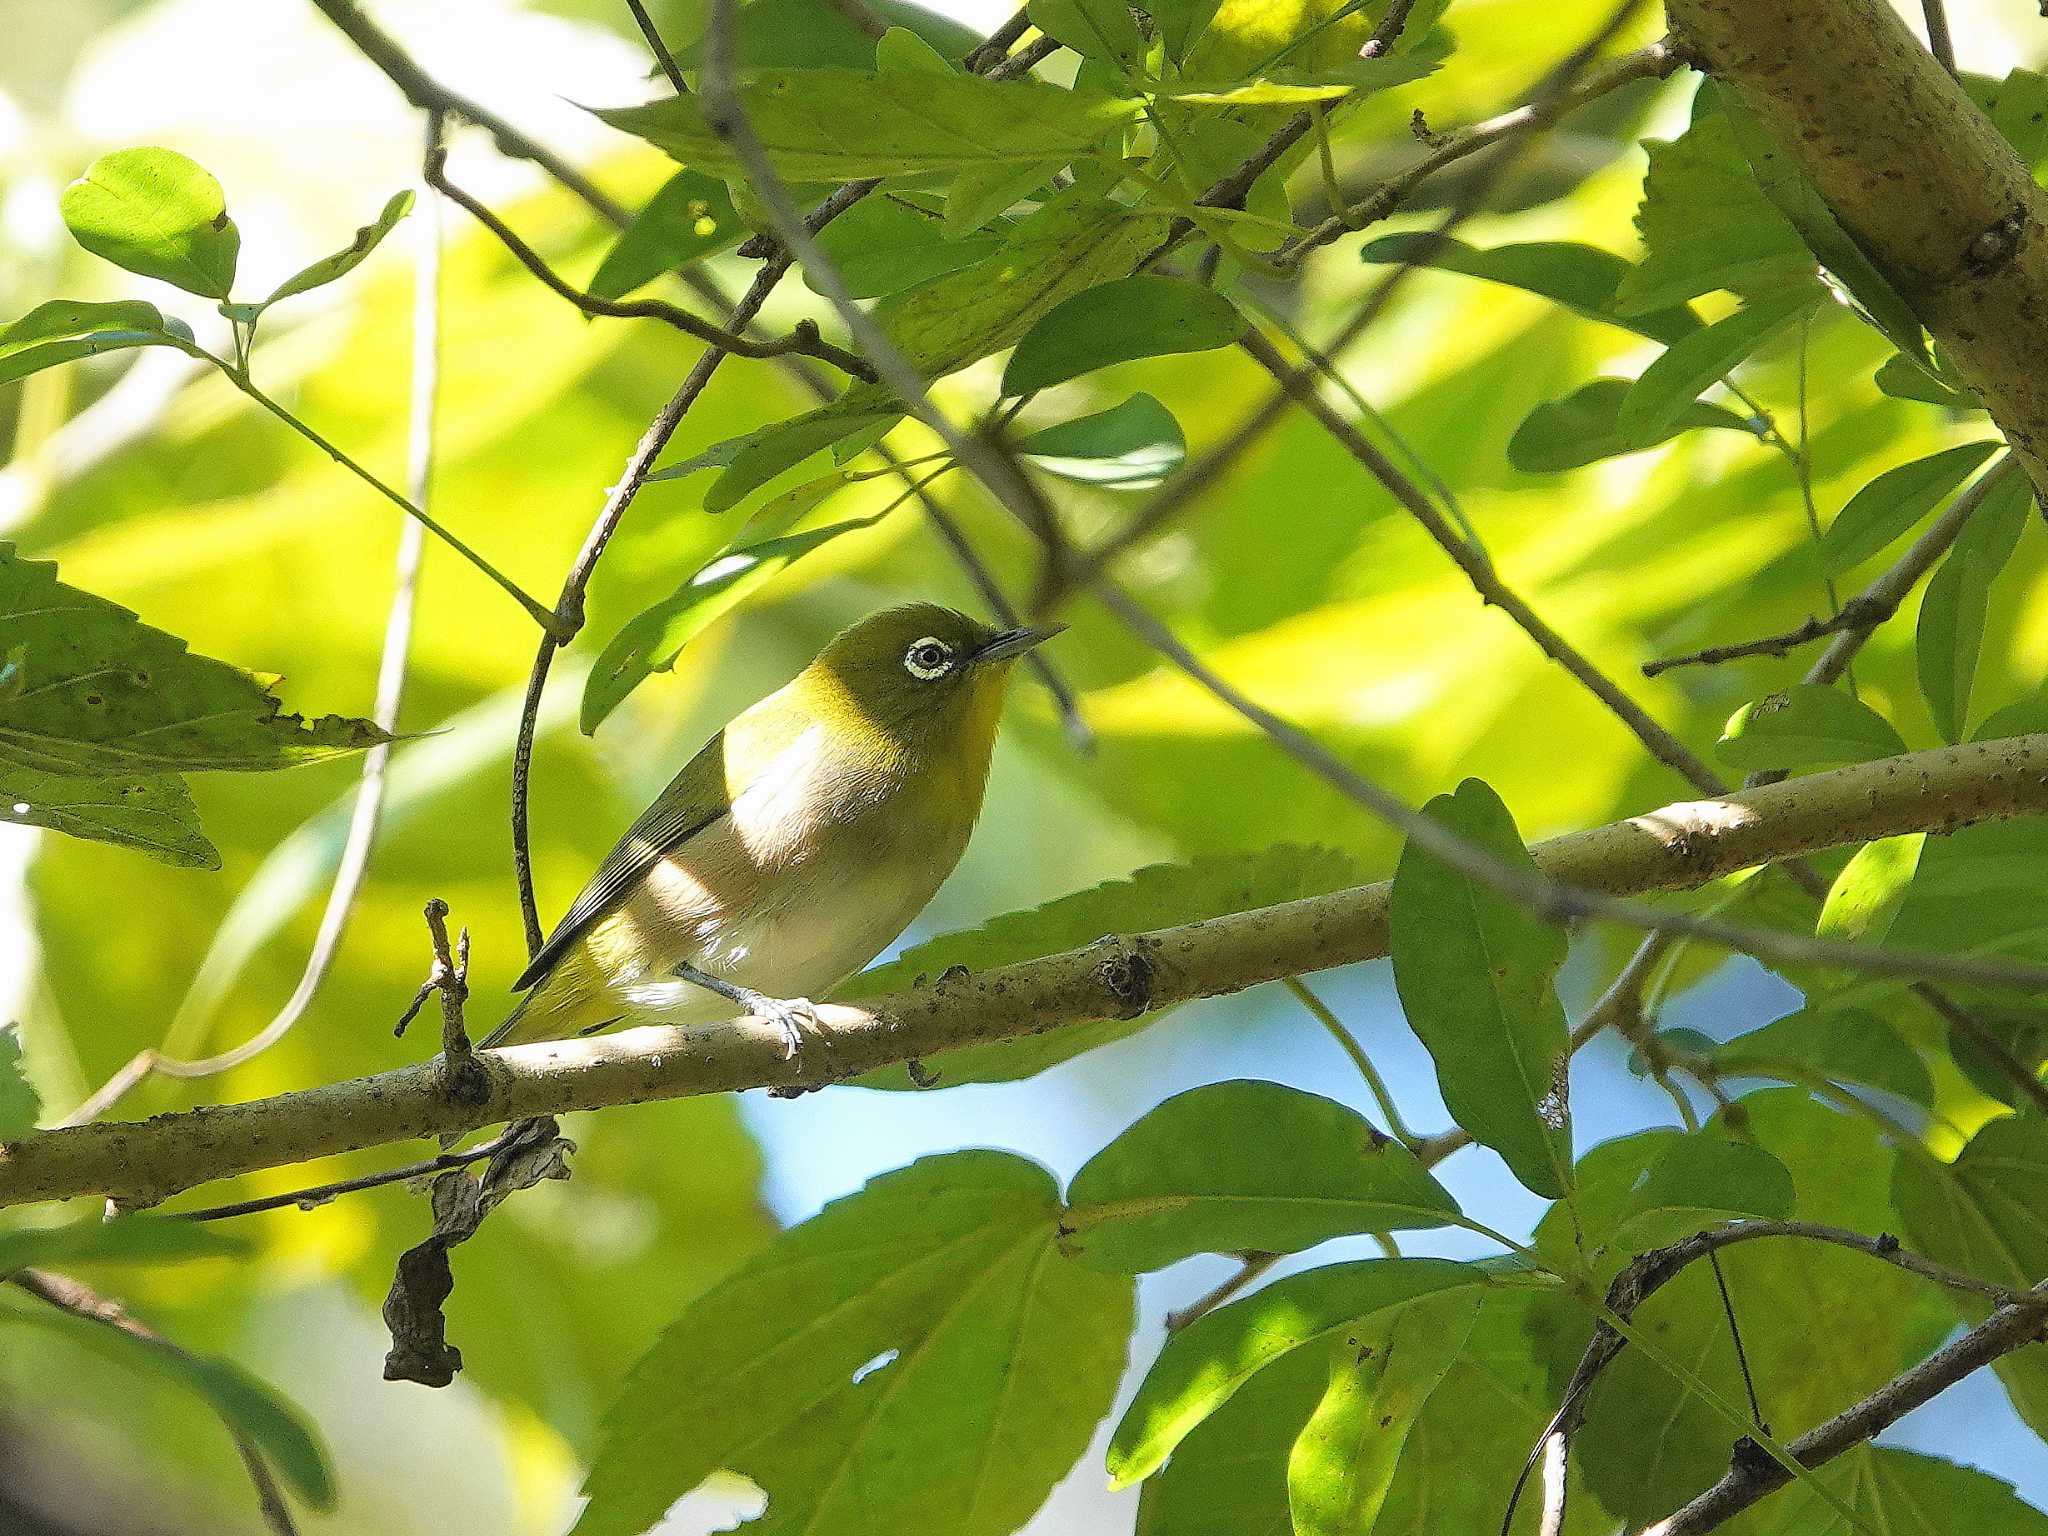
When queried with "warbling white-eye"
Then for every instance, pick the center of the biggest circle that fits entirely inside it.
(795, 845)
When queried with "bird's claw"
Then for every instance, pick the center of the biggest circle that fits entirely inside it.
(796, 1017)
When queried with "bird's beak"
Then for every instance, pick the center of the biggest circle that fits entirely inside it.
(1012, 643)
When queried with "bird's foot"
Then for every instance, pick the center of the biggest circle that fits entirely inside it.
(796, 1017)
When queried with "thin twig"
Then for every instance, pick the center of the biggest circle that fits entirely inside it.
(79, 1300)
(316, 1195)
(803, 337)
(1348, 1044)
(367, 812)
(1249, 1269)
(1939, 43)
(657, 47)
(999, 42)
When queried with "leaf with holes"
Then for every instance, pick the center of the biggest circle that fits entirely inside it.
(1244, 1167)
(1950, 631)
(1806, 726)
(918, 1356)
(1129, 447)
(844, 124)
(1117, 322)
(1157, 896)
(691, 217)
(102, 694)
(19, 1103)
(151, 813)
(158, 214)
(1476, 974)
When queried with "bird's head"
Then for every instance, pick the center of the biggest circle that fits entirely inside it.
(920, 677)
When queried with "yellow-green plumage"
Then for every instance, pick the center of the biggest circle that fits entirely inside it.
(797, 843)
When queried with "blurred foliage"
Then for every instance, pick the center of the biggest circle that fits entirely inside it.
(1667, 435)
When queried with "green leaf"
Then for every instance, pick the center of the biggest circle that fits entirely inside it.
(1905, 1493)
(1707, 225)
(1806, 726)
(1893, 503)
(1207, 1361)
(1950, 631)
(902, 50)
(157, 214)
(108, 695)
(1700, 1180)
(19, 1102)
(755, 459)
(1158, 896)
(1181, 23)
(691, 217)
(999, 1356)
(349, 257)
(844, 124)
(1841, 1045)
(978, 195)
(2024, 717)
(805, 34)
(2018, 108)
(1871, 888)
(151, 813)
(1797, 198)
(1658, 399)
(1296, 87)
(881, 246)
(1903, 379)
(124, 1240)
(64, 330)
(1129, 447)
(1986, 1214)
(1343, 1465)
(1476, 971)
(1116, 322)
(1585, 427)
(1582, 278)
(1077, 240)
(241, 1402)
(1095, 29)
(651, 640)
(1244, 1166)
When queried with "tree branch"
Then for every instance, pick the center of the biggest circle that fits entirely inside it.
(1917, 175)
(1677, 847)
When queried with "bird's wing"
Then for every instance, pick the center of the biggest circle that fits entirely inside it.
(694, 799)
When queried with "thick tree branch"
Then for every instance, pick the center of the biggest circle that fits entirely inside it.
(1914, 171)
(1677, 847)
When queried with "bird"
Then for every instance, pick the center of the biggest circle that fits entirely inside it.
(796, 844)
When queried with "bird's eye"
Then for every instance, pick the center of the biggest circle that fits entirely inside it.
(928, 658)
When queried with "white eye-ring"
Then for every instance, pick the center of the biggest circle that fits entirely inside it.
(928, 658)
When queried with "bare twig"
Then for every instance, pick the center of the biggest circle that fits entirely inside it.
(316, 1195)
(999, 42)
(803, 338)
(1749, 1478)
(367, 811)
(1939, 43)
(81, 1301)
(1250, 1267)
(657, 47)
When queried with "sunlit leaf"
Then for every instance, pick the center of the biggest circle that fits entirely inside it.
(840, 124)
(1585, 427)
(651, 640)
(1181, 23)
(688, 219)
(2018, 108)
(1244, 1166)
(1475, 970)
(1285, 87)
(1097, 29)
(158, 214)
(1950, 632)
(1903, 1493)
(881, 246)
(1838, 1045)
(1903, 379)
(66, 329)
(978, 194)
(1701, 1180)
(751, 461)
(1659, 398)
(811, 34)
(903, 50)
(349, 257)
(1158, 896)
(19, 1104)
(964, 1367)
(1344, 1463)
(1582, 278)
(1893, 503)
(1806, 726)
(1129, 447)
(1869, 891)
(1116, 322)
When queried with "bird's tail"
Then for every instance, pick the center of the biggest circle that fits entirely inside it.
(503, 1034)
